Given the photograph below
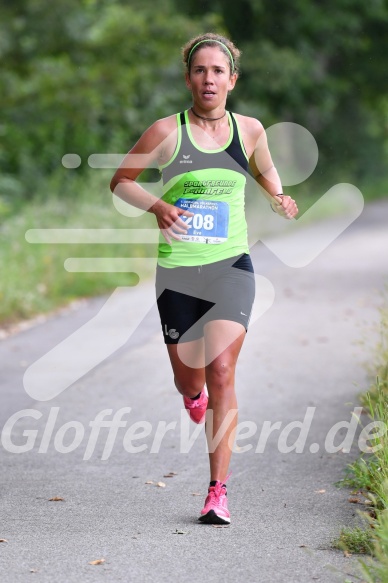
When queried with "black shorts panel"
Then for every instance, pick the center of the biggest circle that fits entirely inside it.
(189, 297)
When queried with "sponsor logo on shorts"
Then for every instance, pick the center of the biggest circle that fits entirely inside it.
(173, 333)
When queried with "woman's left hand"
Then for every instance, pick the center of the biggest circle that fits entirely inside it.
(285, 206)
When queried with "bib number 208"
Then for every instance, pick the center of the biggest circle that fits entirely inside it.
(209, 223)
(199, 221)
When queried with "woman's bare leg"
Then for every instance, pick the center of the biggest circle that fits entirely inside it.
(189, 380)
(220, 377)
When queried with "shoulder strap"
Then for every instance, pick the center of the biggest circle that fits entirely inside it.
(236, 133)
(237, 141)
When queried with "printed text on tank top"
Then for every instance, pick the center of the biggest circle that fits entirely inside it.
(210, 183)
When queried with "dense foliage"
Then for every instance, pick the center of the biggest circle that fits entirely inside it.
(88, 76)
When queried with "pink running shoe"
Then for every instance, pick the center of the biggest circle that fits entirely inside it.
(196, 408)
(216, 510)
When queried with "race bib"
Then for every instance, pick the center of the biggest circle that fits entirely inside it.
(209, 223)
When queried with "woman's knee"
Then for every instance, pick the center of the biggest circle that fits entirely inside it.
(220, 373)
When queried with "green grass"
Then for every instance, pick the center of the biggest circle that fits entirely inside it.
(362, 474)
(376, 570)
(370, 472)
(34, 279)
(354, 540)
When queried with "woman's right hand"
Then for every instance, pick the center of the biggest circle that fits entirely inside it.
(169, 222)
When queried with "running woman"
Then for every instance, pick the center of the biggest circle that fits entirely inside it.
(205, 283)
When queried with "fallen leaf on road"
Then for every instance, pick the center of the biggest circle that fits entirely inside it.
(3, 540)
(161, 485)
(347, 554)
(56, 499)
(354, 500)
(97, 562)
(320, 491)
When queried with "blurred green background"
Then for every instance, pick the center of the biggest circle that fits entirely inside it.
(88, 76)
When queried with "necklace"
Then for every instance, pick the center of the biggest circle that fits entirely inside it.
(208, 118)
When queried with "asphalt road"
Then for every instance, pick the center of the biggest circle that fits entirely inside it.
(303, 361)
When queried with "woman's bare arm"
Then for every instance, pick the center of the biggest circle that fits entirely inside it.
(263, 168)
(156, 145)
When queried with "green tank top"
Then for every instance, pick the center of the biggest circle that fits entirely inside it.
(210, 184)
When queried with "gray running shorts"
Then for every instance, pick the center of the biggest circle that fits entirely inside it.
(189, 297)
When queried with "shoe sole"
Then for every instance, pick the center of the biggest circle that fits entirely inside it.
(212, 518)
